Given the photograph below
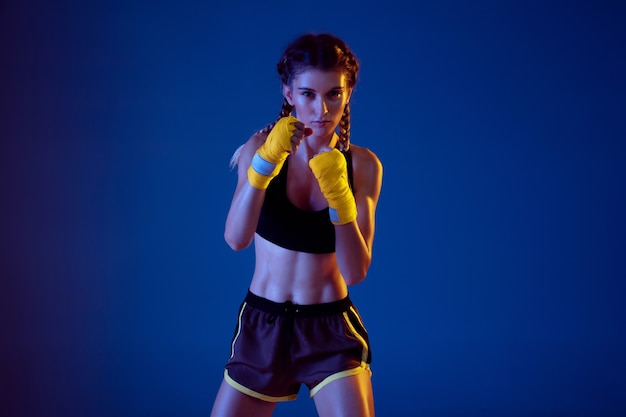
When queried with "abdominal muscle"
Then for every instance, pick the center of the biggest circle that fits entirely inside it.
(303, 278)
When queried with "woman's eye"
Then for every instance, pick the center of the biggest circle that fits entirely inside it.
(335, 94)
(307, 94)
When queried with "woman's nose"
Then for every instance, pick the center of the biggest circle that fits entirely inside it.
(322, 107)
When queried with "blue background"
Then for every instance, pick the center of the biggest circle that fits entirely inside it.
(497, 285)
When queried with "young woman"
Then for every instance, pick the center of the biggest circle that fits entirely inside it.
(307, 198)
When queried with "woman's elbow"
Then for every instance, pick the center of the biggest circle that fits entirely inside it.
(353, 279)
(355, 275)
(236, 242)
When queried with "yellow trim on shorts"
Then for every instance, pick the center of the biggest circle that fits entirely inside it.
(357, 316)
(232, 345)
(356, 334)
(350, 372)
(245, 390)
(354, 371)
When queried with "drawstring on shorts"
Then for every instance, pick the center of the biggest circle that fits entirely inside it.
(288, 310)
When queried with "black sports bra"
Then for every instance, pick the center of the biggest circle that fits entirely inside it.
(285, 225)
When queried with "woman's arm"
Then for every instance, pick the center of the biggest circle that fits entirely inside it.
(245, 207)
(260, 160)
(354, 240)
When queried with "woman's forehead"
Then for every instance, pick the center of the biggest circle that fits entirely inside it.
(312, 76)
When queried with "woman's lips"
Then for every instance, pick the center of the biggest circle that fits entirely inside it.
(320, 123)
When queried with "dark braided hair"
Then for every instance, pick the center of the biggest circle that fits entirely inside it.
(323, 52)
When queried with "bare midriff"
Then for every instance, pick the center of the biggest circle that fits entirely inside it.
(303, 278)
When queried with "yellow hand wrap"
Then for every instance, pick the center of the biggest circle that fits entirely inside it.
(269, 158)
(332, 175)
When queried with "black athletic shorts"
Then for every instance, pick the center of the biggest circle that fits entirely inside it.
(278, 346)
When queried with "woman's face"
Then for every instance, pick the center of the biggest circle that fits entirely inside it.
(319, 98)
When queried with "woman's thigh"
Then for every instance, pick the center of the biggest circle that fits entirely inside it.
(232, 403)
(350, 396)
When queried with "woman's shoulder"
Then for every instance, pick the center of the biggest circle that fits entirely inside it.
(256, 140)
(367, 170)
(243, 154)
(364, 159)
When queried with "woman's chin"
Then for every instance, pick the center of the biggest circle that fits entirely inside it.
(322, 133)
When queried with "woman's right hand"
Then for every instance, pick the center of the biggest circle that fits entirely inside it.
(283, 139)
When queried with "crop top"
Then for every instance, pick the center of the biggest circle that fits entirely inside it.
(290, 227)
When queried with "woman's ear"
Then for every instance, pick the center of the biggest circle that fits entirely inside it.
(288, 94)
(349, 96)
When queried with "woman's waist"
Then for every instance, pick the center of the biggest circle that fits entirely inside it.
(295, 309)
(299, 288)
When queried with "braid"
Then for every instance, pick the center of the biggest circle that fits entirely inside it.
(324, 52)
(344, 130)
(285, 111)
